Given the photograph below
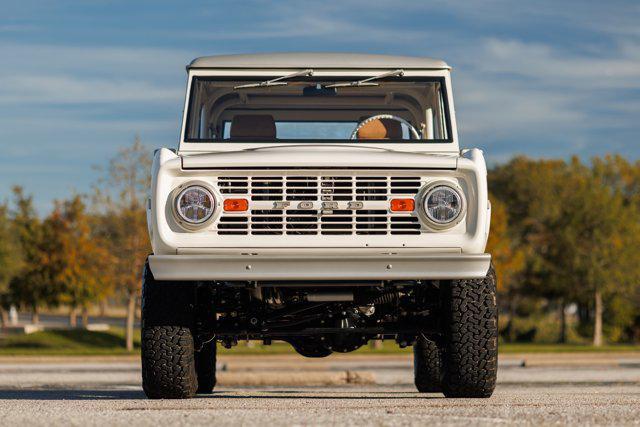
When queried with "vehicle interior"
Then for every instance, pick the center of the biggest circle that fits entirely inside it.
(303, 109)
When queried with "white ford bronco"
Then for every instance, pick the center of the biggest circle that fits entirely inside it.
(321, 200)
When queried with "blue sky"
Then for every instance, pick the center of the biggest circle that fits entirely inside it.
(79, 78)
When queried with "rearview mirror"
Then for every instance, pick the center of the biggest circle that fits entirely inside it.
(318, 90)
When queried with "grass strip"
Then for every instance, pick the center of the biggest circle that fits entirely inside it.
(83, 342)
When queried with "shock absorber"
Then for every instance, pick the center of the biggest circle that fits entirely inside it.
(387, 298)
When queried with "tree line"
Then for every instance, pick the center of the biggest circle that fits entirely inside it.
(88, 248)
(567, 234)
(564, 236)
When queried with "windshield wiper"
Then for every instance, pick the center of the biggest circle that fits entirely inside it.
(369, 81)
(277, 81)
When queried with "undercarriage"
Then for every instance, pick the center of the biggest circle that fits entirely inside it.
(316, 318)
(451, 324)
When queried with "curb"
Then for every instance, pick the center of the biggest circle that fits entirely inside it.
(570, 360)
(579, 364)
(295, 379)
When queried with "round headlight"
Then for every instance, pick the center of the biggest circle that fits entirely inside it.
(195, 204)
(443, 204)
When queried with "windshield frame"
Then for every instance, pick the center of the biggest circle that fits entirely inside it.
(439, 145)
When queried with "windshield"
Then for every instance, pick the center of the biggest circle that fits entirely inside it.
(300, 108)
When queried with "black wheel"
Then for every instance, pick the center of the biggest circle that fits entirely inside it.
(427, 365)
(470, 362)
(168, 365)
(206, 367)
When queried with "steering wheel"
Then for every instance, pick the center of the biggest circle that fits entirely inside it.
(412, 130)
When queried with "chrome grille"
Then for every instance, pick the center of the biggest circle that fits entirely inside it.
(370, 217)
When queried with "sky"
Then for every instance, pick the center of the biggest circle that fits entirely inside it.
(78, 79)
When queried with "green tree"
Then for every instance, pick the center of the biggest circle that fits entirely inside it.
(10, 260)
(532, 192)
(616, 177)
(83, 258)
(596, 243)
(508, 259)
(122, 195)
(34, 285)
(578, 228)
(618, 174)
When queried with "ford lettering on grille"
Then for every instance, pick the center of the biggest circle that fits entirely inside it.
(323, 205)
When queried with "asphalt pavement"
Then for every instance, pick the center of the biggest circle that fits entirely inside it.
(355, 390)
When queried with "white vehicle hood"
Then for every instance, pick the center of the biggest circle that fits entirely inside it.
(322, 156)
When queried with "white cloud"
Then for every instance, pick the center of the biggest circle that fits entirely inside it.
(329, 27)
(50, 89)
(510, 90)
(52, 74)
(112, 60)
(499, 108)
(541, 63)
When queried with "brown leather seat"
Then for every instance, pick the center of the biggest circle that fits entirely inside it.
(381, 129)
(247, 127)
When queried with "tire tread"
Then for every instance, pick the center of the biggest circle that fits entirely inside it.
(167, 350)
(471, 337)
(427, 365)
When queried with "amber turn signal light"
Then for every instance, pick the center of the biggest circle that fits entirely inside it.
(402, 205)
(236, 205)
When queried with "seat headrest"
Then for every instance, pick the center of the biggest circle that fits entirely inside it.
(381, 129)
(253, 126)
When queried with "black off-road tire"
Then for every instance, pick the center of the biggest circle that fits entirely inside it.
(168, 364)
(427, 365)
(470, 362)
(206, 367)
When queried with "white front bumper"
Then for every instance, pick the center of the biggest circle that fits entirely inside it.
(427, 266)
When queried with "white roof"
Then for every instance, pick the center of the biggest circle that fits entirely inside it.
(317, 60)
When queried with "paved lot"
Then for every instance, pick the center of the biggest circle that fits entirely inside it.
(108, 393)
